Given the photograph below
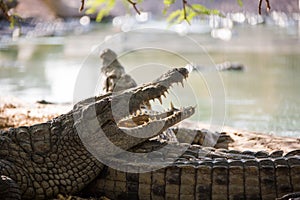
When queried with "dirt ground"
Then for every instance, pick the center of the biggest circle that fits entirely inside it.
(242, 140)
(14, 113)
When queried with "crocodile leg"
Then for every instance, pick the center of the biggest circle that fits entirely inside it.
(9, 189)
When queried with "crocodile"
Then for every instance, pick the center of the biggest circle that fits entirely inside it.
(113, 75)
(43, 160)
(200, 172)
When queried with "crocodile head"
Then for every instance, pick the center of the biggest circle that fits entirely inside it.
(120, 115)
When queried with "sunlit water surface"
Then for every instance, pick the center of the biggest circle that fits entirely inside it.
(264, 97)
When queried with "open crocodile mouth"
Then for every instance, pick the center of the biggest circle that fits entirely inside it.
(140, 109)
(145, 116)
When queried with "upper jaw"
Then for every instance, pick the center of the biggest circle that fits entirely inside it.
(138, 96)
(160, 86)
(129, 102)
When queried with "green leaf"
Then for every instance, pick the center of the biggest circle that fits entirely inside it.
(103, 8)
(175, 16)
(167, 4)
(190, 15)
(100, 15)
(240, 2)
(202, 10)
(91, 10)
(180, 17)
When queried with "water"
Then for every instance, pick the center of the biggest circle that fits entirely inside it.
(265, 97)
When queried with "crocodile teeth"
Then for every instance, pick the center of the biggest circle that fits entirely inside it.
(182, 83)
(164, 95)
(160, 100)
(172, 106)
(147, 105)
(138, 112)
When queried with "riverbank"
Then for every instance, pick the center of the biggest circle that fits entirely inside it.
(15, 113)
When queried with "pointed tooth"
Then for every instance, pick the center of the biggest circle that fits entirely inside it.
(182, 83)
(160, 100)
(146, 103)
(138, 112)
(172, 106)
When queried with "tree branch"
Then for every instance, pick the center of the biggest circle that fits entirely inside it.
(4, 9)
(134, 6)
(267, 4)
(82, 6)
(184, 2)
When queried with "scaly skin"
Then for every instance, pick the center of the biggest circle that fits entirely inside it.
(199, 173)
(113, 74)
(40, 161)
(204, 174)
(43, 160)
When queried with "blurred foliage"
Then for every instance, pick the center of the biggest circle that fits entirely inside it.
(4, 10)
(240, 2)
(187, 12)
(101, 7)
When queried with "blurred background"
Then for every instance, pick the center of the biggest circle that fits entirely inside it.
(258, 55)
